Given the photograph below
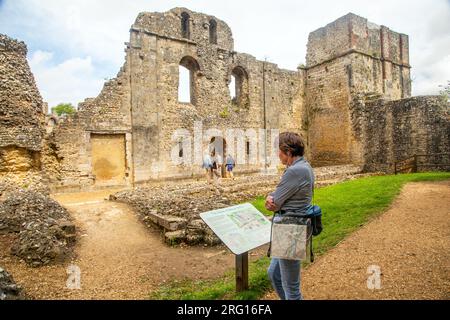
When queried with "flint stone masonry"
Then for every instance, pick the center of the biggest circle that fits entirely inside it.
(349, 56)
(21, 121)
(391, 131)
(11, 183)
(175, 208)
(21, 106)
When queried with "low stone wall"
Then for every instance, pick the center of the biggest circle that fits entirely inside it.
(390, 131)
(175, 208)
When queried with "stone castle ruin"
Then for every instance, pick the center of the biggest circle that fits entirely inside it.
(352, 102)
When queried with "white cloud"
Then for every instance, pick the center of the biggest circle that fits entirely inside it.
(436, 74)
(72, 80)
(278, 30)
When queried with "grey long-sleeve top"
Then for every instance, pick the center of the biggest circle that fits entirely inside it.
(294, 192)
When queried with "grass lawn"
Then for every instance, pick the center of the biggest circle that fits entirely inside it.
(346, 207)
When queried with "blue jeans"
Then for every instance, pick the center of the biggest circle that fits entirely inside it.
(285, 277)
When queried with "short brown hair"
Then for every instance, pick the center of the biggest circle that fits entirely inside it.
(291, 143)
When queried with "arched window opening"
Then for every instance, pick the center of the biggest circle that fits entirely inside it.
(218, 151)
(239, 87)
(184, 87)
(180, 149)
(213, 31)
(185, 30)
(188, 69)
(232, 87)
(51, 122)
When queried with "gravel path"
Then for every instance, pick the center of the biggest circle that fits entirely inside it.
(410, 243)
(119, 258)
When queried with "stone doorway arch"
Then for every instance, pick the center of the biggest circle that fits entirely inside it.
(218, 145)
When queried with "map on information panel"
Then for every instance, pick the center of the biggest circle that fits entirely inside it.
(289, 241)
(241, 228)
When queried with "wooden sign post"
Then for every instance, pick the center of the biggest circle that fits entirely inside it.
(242, 272)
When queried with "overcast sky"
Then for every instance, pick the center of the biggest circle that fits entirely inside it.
(75, 45)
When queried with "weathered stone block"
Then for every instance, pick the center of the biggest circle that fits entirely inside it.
(175, 237)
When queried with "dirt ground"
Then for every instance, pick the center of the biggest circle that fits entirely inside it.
(410, 243)
(119, 258)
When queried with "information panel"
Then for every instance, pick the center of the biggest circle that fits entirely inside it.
(241, 228)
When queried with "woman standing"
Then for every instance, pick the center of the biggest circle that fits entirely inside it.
(291, 198)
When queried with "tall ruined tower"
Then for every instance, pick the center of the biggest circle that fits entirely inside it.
(347, 57)
(21, 111)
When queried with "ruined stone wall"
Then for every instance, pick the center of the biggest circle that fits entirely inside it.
(344, 58)
(157, 47)
(395, 130)
(384, 54)
(348, 57)
(21, 119)
(21, 116)
(69, 143)
(327, 97)
(142, 102)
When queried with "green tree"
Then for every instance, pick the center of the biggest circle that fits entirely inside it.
(445, 91)
(64, 108)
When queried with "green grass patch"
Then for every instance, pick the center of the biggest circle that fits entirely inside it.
(346, 207)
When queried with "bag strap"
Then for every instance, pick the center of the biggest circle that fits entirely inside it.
(271, 230)
(311, 256)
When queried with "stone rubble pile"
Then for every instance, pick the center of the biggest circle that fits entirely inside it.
(9, 290)
(175, 207)
(11, 183)
(45, 231)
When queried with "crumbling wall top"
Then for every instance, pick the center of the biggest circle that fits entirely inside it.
(21, 106)
(352, 33)
(186, 25)
(8, 44)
